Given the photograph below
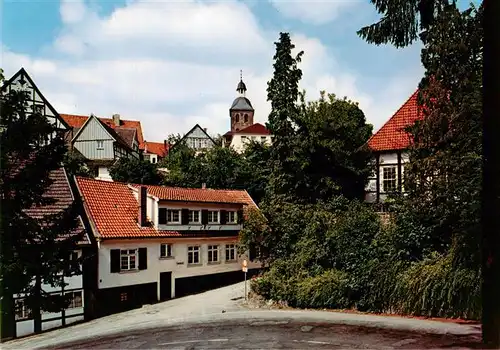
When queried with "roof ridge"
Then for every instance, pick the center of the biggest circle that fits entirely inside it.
(162, 186)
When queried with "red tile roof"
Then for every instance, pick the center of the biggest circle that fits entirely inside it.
(157, 148)
(76, 121)
(60, 194)
(392, 135)
(113, 208)
(206, 195)
(254, 129)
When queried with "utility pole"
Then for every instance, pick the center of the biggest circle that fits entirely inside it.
(491, 177)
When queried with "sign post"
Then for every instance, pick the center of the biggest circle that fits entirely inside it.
(244, 268)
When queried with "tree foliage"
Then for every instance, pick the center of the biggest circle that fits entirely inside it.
(133, 170)
(33, 249)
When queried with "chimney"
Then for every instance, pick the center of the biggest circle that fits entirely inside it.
(203, 185)
(142, 218)
(205, 129)
(116, 119)
(165, 144)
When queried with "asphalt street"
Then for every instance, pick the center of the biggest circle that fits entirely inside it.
(273, 335)
(221, 319)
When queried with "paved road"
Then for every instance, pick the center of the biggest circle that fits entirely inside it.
(273, 335)
(196, 316)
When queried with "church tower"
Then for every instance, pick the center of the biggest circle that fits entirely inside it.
(241, 111)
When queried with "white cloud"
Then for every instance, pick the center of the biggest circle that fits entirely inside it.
(313, 11)
(174, 64)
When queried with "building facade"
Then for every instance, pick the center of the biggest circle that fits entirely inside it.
(156, 243)
(389, 145)
(197, 139)
(102, 141)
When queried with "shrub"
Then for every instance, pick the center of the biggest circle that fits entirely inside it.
(328, 290)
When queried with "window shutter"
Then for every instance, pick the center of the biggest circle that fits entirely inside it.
(115, 260)
(143, 258)
(222, 217)
(204, 217)
(162, 216)
(240, 216)
(163, 250)
(185, 216)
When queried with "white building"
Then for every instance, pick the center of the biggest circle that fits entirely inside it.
(239, 140)
(156, 243)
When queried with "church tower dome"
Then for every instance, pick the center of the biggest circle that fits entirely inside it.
(241, 111)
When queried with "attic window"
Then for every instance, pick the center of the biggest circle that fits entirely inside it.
(100, 144)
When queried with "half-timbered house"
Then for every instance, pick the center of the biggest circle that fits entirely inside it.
(61, 192)
(389, 145)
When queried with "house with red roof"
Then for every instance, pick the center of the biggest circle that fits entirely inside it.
(243, 129)
(155, 151)
(103, 141)
(389, 145)
(155, 243)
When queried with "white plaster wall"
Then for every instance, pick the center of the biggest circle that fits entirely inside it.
(103, 174)
(239, 144)
(177, 265)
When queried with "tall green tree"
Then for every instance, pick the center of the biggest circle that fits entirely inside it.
(331, 153)
(283, 93)
(401, 24)
(32, 249)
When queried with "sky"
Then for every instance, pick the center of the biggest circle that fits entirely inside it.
(172, 64)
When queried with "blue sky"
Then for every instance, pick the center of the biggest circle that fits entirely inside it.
(172, 64)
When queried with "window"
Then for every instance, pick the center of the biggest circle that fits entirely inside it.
(153, 160)
(263, 139)
(237, 118)
(128, 259)
(230, 252)
(174, 216)
(243, 139)
(389, 179)
(21, 310)
(246, 118)
(75, 299)
(231, 217)
(194, 217)
(253, 138)
(123, 297)
(100, 144)
(213, 217)
(165, 250)
(193, 255)
(213, 253)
